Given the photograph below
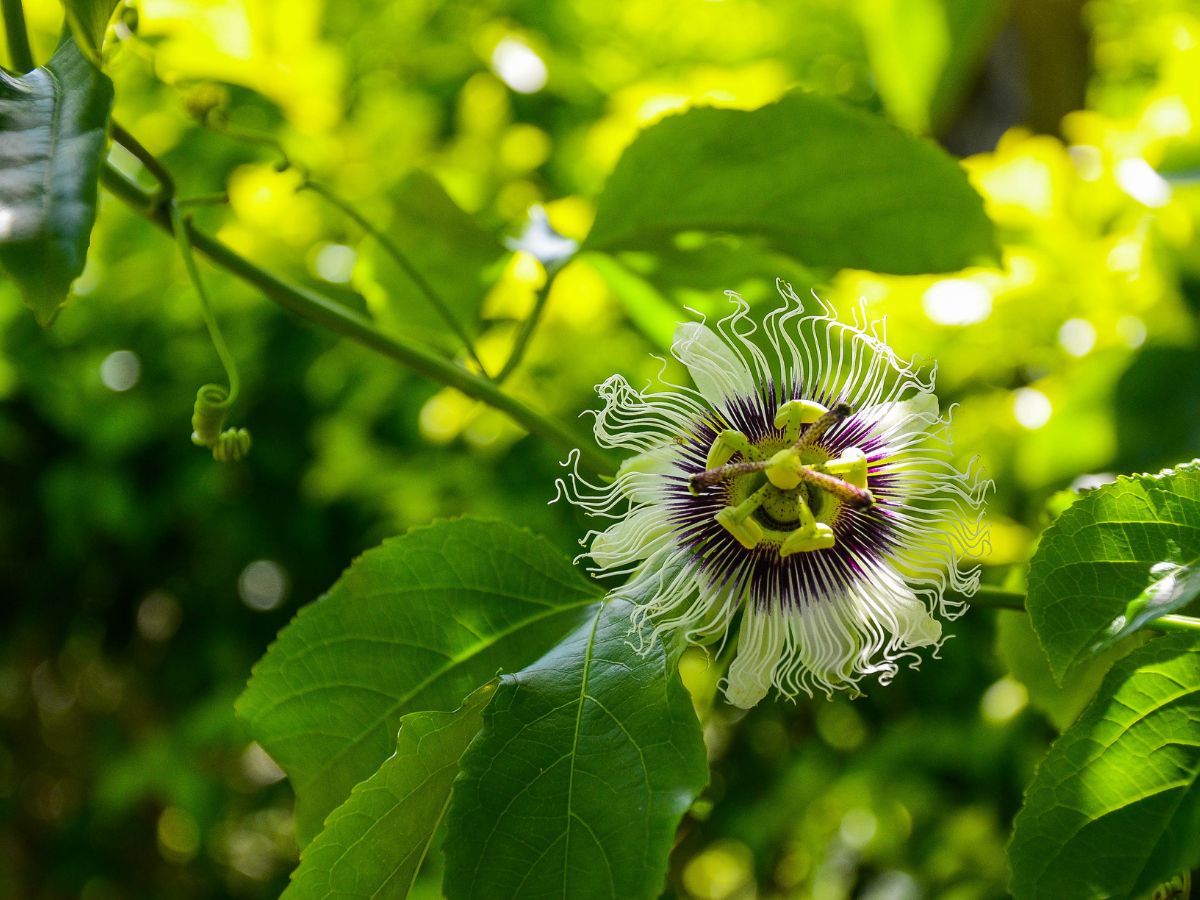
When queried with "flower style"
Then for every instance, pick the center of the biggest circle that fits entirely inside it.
(807, 482)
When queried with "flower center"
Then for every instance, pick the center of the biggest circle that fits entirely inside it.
(786, 491)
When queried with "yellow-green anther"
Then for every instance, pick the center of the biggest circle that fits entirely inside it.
(726, 445)
(851, 467)
(783, 469)
(821, 538)
(737, 521)
(795, 413)
(747, 531)
(810, 535)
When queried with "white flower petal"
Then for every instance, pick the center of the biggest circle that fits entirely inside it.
(760, 649)
(901, 421)
(632, 538)
(641, 477)
(718, 372)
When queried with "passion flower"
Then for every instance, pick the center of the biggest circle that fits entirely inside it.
(806, 485)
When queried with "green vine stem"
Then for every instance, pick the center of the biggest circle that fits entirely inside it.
(988, 597)
(20, 56)
(216, 120)
(528, 326)
(401, 259)
(166, 184)
(335, 317)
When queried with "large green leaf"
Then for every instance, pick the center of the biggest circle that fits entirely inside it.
(52, 134)
(1116, 559)
(1115, 807)
(414, 624)
(89, 21)
(586, 762)
(828, 184)
(374, 843)
(448, 250)
(924, 53)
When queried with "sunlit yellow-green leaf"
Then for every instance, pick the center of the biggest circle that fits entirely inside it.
(830, 185)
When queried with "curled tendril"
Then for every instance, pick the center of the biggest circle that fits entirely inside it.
(213, 401)
(208, 425)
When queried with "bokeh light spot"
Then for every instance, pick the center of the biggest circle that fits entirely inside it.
(518, 66)
(1139, 180)
(1003, 700)
(1077, 336)
(333, 263)
(178, 835)
(1132, 330)
(858, 827)
(158, 616)
(120, 370)
(957, 301)
(1031, 408)
(259, 767)
(262, 585)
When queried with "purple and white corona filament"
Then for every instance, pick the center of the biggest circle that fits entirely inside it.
(807, 483)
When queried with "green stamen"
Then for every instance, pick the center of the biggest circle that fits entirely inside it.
(790, 479)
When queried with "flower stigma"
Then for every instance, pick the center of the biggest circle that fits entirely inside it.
(803, 500)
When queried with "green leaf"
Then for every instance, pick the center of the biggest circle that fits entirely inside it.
(924, 53)
(586, 762)
(414, 624)
(89, 21)
(828, 184)
(374, 843)
(1088, 581)
(449, 251)
(52, 134)
(1114, 808)
(1017, 645)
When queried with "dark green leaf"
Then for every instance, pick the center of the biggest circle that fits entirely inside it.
(414, 624)
(449, 251)
(52, 133)
(825, 183)
(586, 762)
(374, 843)
(1105, 557)
(89, 21)
(1115, 807)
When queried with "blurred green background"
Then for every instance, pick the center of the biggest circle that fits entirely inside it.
(142, 580)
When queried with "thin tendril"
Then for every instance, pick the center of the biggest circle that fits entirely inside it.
(183, 242)
(213, 401)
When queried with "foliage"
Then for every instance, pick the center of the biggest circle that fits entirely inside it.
(1108, 565)
(867, 195)
(375, 842)
(1113, 808)
(54, 118)
(414, 624)
(459, 710)
(586, 763)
